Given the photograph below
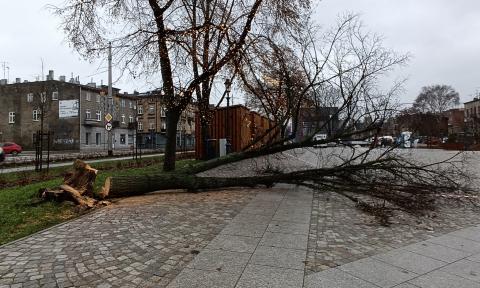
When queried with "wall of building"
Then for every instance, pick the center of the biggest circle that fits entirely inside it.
(153, 123)
(94, 107)
(14, 98)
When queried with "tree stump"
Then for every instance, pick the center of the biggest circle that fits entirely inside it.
(77, 186)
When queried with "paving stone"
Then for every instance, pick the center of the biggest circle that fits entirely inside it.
(279, 257)
(260, 210)
(288, 227)
(410, 261)
(378, 273)
(291, 241)
(438, 279)
(335, 278)
(246, 218)
(234, 243)
(464, 268)
(221, 261)
(256, 276)
(292, 217)
(340, 233)
(406, 285)
(245, 229)
(438, 252)
(471, 233)
(124, 244)
(200, 278)
(457, 243)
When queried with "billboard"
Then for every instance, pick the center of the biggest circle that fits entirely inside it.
(68, 108)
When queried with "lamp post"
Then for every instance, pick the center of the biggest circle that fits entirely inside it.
(228, 85)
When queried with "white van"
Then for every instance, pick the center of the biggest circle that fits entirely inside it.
(318, 137)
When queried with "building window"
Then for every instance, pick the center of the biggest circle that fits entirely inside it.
(88, 97)
(164, 125)
(140, 110)
(55, 95)
(11, 117)
(162, 112)
(123, 118)
(152, 126)
(98, 98)
(130, 139)
(43, 97)
(130, 119)
(140, 126)
(130, 104)
(88, 115)
(87, 138)
(30, 97)
(122, 103)
(35, 115)
(151, 109)
(99, 115)
(98, 138)
(123, 139)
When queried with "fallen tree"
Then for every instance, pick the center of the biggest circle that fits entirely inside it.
(344, 75)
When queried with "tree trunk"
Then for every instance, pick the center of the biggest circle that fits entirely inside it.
(173, 117)
(141, 184)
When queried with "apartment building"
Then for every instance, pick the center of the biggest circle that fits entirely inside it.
(472, 117)
(74, 113)
(152, 122)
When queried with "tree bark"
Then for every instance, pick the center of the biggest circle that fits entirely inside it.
(142, 184)
(173, 116)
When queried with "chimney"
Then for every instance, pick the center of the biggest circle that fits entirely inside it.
(3, 81)
(62, 78)
(92, 84)
(18, 80)
(50, 75)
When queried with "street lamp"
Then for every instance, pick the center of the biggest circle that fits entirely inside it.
(228, 85)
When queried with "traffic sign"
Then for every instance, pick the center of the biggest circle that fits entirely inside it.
(108, 117)
(108, 126)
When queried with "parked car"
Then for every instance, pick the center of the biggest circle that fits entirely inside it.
(11, 148)
(319, 137)
(2, 155)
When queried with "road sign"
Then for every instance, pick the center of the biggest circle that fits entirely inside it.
(108, 117)
(108, 126)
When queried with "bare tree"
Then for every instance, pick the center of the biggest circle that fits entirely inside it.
(341, 67)
(436, 99)
(346, 73)
(185, 43)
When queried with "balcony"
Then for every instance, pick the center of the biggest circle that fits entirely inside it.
(92, 122)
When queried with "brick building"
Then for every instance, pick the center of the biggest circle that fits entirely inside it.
(456, 121)
(73, 112)
(152, 122)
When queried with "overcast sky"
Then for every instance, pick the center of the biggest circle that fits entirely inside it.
(441, 35)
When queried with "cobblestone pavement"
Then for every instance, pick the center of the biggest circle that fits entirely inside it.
(138, 242)
(340, 233)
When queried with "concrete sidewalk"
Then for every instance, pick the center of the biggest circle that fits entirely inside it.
(265, 245)
(451, 260)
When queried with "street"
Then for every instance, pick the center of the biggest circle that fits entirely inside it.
(69, 163)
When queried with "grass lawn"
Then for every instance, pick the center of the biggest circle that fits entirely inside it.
(22, 213)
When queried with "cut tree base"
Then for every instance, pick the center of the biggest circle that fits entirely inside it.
(77, 187)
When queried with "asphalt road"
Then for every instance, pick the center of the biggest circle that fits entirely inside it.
(468, 161)
(69, 163)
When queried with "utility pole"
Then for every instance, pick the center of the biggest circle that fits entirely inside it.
(110, 102)
(110, 98)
